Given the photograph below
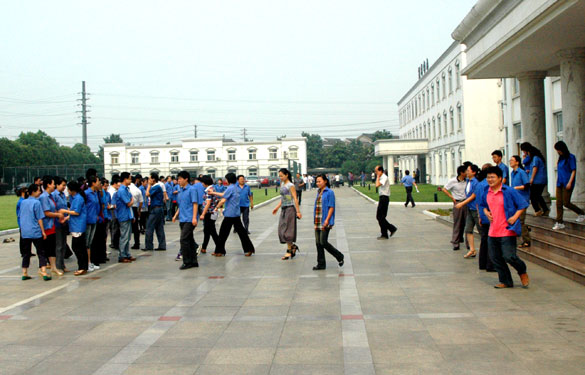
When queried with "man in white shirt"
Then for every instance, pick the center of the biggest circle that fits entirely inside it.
(383, 185)
(455, 189)
(136, 208)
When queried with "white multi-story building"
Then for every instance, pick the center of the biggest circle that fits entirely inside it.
(445, 120)
(215, 157)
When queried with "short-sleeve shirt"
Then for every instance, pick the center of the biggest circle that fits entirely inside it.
(18, 210)
(156, 196)
(565, 168)
(201, 191)
(29, 215)
(186, 198)
(384, 188)
(169, 189)
(505, 172)
(122, 198)
(499, 225)
(92, 206)
(137, 195)
(245, 194)
(47, 204)
(78, 223)
(520, 178)
(407, 180)
(457, 188)
(298, 182)
(540, 178)
(61, 203)
(469, 190)
(286, 198)
(232, 202)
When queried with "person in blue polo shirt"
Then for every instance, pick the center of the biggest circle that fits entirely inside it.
(497, 158)
(324, 220)
(93, 208)
(156, 220)
(485, 262)
(51, 217)
(200, 193)
(408, 182)
(230, 198)
(520, 182)
(169, 203)
(32, 231)
(219, 187)
(124, 214)
(538, 179)
(188, 215)
(472, 219)
(566, 178)
(246, 201)
(60, 227)
(77, 226)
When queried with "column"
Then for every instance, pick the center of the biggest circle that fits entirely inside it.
(449, 164)
(437, 169)
(385, 162)
(428, 170)
(573, 97)
(532, 109)
(391, 175)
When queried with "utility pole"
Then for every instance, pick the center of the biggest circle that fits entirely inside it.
(244, 132)
(195, 131)
(83, 114)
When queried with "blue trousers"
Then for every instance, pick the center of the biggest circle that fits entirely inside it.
(125, 234)
(156, 222)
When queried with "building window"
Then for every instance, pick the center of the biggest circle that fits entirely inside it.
(517, 132)
(434, 130)
(273, 172)
(452, 120)
(445, 123)
(231, 155)
(459, 117)
(293, 153)
(210, 155)
(233, 170)
(154, 157)
(424, 101)
(516, 87)
(114, 158)
(559, 125)
(443, 79)
(211, 173)
(428, 99)
(433, 94)
(460, 156)
(253, 172)
(438, 91)
(425, 129)
(252, 154)
(135, 157)
(193, 155)
(457, 75)
(439, 126)
(174, 156)
(273, 153)
(453, 162)
(450, 80)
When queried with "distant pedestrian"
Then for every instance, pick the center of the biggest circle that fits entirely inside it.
(566, 178)
(136, 208)
(455, 190)
(52, 215)
(209, 216)
(324, 220)
(299, 186)
(61, 229)
(383, 185)
(408, 182)
(77, 226)
(125, 216)
(246, 201)
(485, 262)
(538, 179)
(289, 213)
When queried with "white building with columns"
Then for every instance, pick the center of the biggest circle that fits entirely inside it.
(445, 120)
(215, 157)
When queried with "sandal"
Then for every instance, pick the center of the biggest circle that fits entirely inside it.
(80, 272)
(525, 244)
(470, 254)
(287, 256)
(45, 276)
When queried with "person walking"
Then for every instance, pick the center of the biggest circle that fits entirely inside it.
(125, 216)
(324, 220)
(246, 201)
(408, 182)
(503, 206)
(77, 221)
(299, 186)
(61, 230)
(538, 179)
(520, 182)
(230, 198)
(485, 262)
(289, 212)
(156, 219)
(208, 215)
(114, 225)
(32, 231)
(52, 215)
(92, 207)
(472, 218)
(455, 190)
(187, 213)
(566, 174)
(383, 185)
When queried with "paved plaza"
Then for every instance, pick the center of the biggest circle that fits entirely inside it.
(409, 305)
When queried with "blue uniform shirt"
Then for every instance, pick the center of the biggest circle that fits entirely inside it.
(18, 210)
(512, 203)
(123, 197)
(470, 189)
(106, 201)
(564, 169)
(327, 202)
(78, 223)
(186, 197)
(505, 172)
(29, 215)
(520, 178)
(61, 202)
(201, 191)
(480, 190)
(169, 189)
(174, 197)
(540, 178)
(47, 204)
(245, 194)
(407, 181)
(219, 188)
(92, 206)
(157, 196)
(526, 161)
(232, 203)
(144, 197)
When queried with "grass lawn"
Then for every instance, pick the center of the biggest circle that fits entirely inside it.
(260, 194)
(8, 212)
(398, 193)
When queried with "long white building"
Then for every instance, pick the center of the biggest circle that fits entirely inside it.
(445, 120)
(215, 157)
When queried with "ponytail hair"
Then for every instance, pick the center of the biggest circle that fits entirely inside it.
(324, 178)
(74, 186)
(518, 160)
(287, 173)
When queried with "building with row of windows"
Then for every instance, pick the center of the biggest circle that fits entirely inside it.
(215, 157)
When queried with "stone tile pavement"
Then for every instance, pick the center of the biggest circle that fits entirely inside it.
(409, 305)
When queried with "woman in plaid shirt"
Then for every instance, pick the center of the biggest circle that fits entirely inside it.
(324, 219)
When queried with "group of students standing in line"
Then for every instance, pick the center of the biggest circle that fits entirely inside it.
(494, 201)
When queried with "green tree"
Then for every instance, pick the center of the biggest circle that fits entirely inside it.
(382, 134)
(112, 138)
(314, 150)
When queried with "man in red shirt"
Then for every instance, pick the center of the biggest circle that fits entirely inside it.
(503, 207)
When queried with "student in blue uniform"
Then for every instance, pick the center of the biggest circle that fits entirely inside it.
(156, 220)
(92, 206)
(408, 182)
(538, 179)
(169, 203)
(77, 226)
(60, 226)
(246, 201)
(32, 231)
(472, 219)
(125, 216)
(497, 156)
(22, 193)
(187, 214)
(520, 182)
(566, 179)
(49, 206)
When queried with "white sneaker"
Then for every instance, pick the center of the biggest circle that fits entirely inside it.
(91, 268)
(580, 218)
(558, 226)
(95, 267)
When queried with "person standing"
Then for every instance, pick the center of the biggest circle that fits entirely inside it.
(472, 219)
(230, 198)
(246, 201)
(520, 182)
(169, 202)
(503, 207)
(61, 230)
(408, 181)
(208, 215)
(32, 231)
(566, 174)
(383, 185)
(77, 226)
(538, 179)
(114, 225)
(485, 262)
(455, 190)
(156, 219)
(92, 207)
(144, 209)
(299, 185)
(290, 211)
(497, 158)
(187, 213)
(136, 208)
(51, 216)
(124, 214)
(324, 220)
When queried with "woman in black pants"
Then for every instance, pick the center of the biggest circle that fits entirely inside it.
(77, 226)
(538, 178)
(208, 216)
(324, 219)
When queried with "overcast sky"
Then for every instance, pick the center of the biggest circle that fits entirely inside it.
(155, 68)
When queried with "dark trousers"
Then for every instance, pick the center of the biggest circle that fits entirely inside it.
(409, 198)
(188, 244)
(564, 199)
(78, 245)
(381, 213)
(135, 227)
(209, 231)
(322, 242)
(299, 196)
(156, 222)
(245, 215)
(536, 198)
(25, 251)
(503, 250)
(98, 245)
(459, 217)
(142, 221)
(60, 246)
(224, 232)
(49, 245)
(485, 262)
(115, 233)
